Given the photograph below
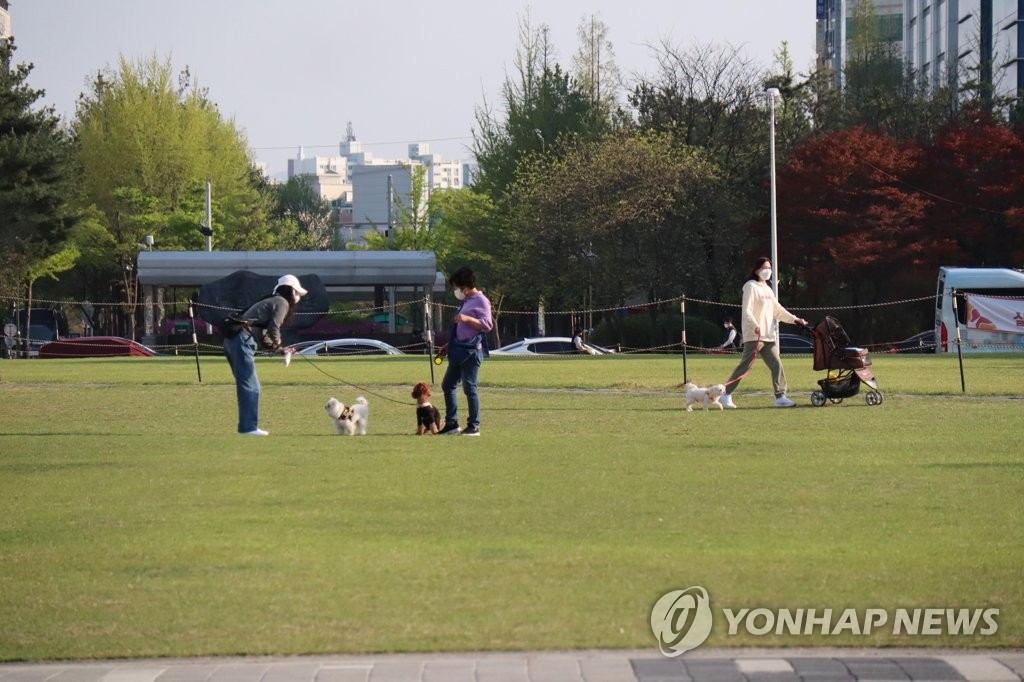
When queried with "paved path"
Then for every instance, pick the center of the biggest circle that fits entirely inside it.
(713, 665)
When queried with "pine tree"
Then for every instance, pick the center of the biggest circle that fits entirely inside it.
(36, 172)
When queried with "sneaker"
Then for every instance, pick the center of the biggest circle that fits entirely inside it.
(470, 431)
(783, 401)
(255, 432)
(450, 429)
(727, 403)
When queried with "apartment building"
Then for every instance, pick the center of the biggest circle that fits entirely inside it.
(364, 191)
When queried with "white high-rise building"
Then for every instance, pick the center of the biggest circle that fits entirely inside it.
(441, 174)
(836, 26)
(946, 42)
(356, 183)
(953, 42)
(328, 176)
(5, 20)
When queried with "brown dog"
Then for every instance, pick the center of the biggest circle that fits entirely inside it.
(428, 419)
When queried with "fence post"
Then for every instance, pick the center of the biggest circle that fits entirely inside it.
(959, 351)
(682, 309)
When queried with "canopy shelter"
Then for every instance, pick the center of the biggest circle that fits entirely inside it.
(384, 276)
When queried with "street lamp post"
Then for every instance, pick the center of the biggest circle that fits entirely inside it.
(773, 95)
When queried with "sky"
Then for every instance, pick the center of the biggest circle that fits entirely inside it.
(294, 73)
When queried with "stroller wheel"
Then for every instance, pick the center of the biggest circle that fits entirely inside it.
(836, 401)
(817, 399)
(873, 398)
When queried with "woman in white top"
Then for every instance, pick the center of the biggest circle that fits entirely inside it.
(760, 311)
(730, 336)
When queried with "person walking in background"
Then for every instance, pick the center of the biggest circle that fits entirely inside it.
(263, 321)
(760, 312)
(466, 350)
(730, 336)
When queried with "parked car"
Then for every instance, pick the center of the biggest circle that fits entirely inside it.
(794, 343)
(345, 347)
(95, 347)
(548, 345)
(382, 318)
(922, 342)
(48, 324)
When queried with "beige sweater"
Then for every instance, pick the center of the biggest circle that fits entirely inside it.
(760, 310)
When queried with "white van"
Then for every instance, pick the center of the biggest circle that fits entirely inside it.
(1004, 283)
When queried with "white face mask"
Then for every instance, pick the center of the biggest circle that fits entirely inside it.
(295, 297)
(460, 295)
(765, 274)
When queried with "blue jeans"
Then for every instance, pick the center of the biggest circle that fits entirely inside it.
(467, 372)
(241, 352)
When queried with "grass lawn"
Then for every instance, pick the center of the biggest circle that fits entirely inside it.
(135, 523)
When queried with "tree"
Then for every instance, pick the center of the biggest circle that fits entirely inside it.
(541, 104)
(975, 172)
(50, 266)
(851, 224)
(594, 66)
(36, 177)
(712, 98)
(298, 201)
(148, 144)
(630, 213)
(880, 91)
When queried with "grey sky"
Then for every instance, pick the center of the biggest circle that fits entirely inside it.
(293, 72)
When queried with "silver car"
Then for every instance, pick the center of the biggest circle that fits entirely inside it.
(548, 345)
(337, 347)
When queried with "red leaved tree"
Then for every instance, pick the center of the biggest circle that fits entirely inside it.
(975, 172)
(851, 229)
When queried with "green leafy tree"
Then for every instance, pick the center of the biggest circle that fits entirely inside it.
(712, 98)
(36, 178)
(594, 67)
(312, 215)
(468, 219)
(51, 266)
(148, 143)
(540, 104)
(628, 214)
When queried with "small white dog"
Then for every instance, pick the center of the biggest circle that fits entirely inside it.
(707, 396)
(349, 420)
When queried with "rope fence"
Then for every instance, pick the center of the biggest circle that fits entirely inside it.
(165, 329)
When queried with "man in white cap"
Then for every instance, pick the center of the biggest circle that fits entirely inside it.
(264, 320)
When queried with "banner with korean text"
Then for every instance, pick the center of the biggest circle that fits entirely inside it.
(995, 313)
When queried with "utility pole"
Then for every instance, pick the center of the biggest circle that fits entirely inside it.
(209, 220)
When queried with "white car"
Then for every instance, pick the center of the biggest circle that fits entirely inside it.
(548, 345)
(345, 347)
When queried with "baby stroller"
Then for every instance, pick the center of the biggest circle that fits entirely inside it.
(847, 367)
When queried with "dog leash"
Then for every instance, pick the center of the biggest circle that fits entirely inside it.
(749, 369)
(350, 384)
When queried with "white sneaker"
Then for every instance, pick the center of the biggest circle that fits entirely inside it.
(783, 401)
(727, 403)
(255, 432)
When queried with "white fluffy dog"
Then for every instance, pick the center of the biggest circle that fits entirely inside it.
(707, 396)
(349, 420)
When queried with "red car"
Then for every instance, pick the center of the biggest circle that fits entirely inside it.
(94, 347)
